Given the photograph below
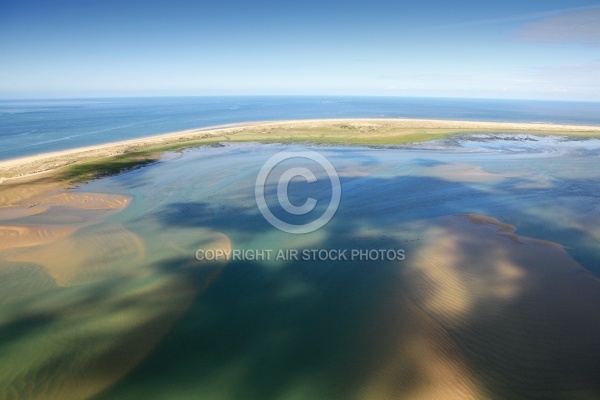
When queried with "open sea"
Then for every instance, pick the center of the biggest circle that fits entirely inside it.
(30, 127)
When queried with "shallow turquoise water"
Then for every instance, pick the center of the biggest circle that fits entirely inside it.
(279, 329)
(286, 328)
(538, 185)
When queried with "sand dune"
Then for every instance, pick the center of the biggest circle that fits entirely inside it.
(54, 215)
(29, 196)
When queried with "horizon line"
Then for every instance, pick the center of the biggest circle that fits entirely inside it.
(289, 95)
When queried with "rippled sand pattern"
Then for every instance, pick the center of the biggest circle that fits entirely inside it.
(83, 301)
(14, 236)
(80, 340)
(74, 258)
(416, 359)
(88, 201)
(523, 313)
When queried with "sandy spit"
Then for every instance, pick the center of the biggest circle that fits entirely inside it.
(24, 166)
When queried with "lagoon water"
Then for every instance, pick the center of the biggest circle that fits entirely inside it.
(472, 311)
(36, 126)
(297, 329)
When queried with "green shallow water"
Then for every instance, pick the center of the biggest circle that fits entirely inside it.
(286, 329)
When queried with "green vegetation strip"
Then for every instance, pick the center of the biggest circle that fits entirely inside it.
(342, 134)
(79, 173)
(89, 170)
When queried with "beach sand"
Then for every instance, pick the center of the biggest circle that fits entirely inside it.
(334, 131)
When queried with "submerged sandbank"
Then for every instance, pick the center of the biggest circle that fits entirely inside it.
(83, 298)
(481, 312)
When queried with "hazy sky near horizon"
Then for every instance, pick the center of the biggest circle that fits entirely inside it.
(533, 49)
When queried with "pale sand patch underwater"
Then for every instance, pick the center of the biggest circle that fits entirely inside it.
(470, 314)
(108, 305)
(15, 236)
(85, 338)
(15, 192)
(67, 212)
(524, 315)
(479, 312)
(461, 173)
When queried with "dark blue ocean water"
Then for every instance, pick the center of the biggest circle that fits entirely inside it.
(37, 126)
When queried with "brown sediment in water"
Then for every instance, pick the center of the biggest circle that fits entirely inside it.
(151, 317)
(507, 230)
(478, 312)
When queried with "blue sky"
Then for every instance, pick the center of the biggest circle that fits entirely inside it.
(511, 49)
